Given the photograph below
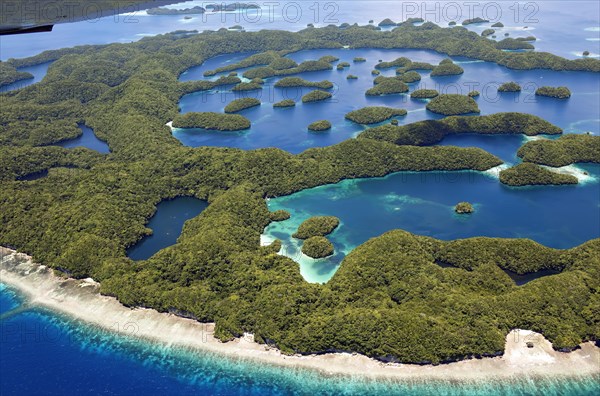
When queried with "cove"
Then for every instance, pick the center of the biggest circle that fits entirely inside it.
(423, 203)
(166, 225)
(87, 139)
(38, 72)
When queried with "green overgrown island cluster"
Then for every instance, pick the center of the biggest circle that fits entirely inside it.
(389, 299)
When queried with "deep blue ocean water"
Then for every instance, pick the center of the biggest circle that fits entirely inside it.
(42, 353)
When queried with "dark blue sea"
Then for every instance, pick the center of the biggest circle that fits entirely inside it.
(43, 353)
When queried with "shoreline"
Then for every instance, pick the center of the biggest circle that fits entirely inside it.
(80, 299)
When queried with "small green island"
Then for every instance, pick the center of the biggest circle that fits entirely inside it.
(387, 86)
(488, 32)
(374, 114)
(463, 208)
(428, 132)
(474, 20)
(359, 60)
(280, 215)
(316, 96)
(241, 104)
(317, 247)
(528, 174)
(351, 77)
(285, 103)
(447, 68)
(566, 150)
(509, 87)
(320, 126)
(293, 82)
(398, 62)
(452, 104)
(424, 94)
(498, 25)
(554, 92)
(317, 226)
(387, 22)
(210, 120)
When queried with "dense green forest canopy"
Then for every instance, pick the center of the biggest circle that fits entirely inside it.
(429, 132)
(390, 299)
(452, 104)
(374, 114)
(210, 120)
(528, 174)
(566, 150)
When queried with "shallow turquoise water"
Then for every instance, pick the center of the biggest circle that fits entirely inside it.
(62, 356)
(423, 203)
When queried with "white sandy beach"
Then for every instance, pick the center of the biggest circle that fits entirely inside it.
(81, 299)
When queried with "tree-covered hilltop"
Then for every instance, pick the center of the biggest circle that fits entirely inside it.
(374, 114)
(510, 86)
(528, 174)
(82, 219)
(285, 103)
(9, 74)
(554, 92)
(513, 44)
(319, 126)
(317, 247)
(280, 215)
(566, 150)
(424, 94)
(446, 68)
(317, 226)
(241, 104)
(464, 208)
(316, 96)
(452, 104)
(399, 62)
(430, 132)
(387, 86)
(292, 82)
(306, 66)
(209, 120)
